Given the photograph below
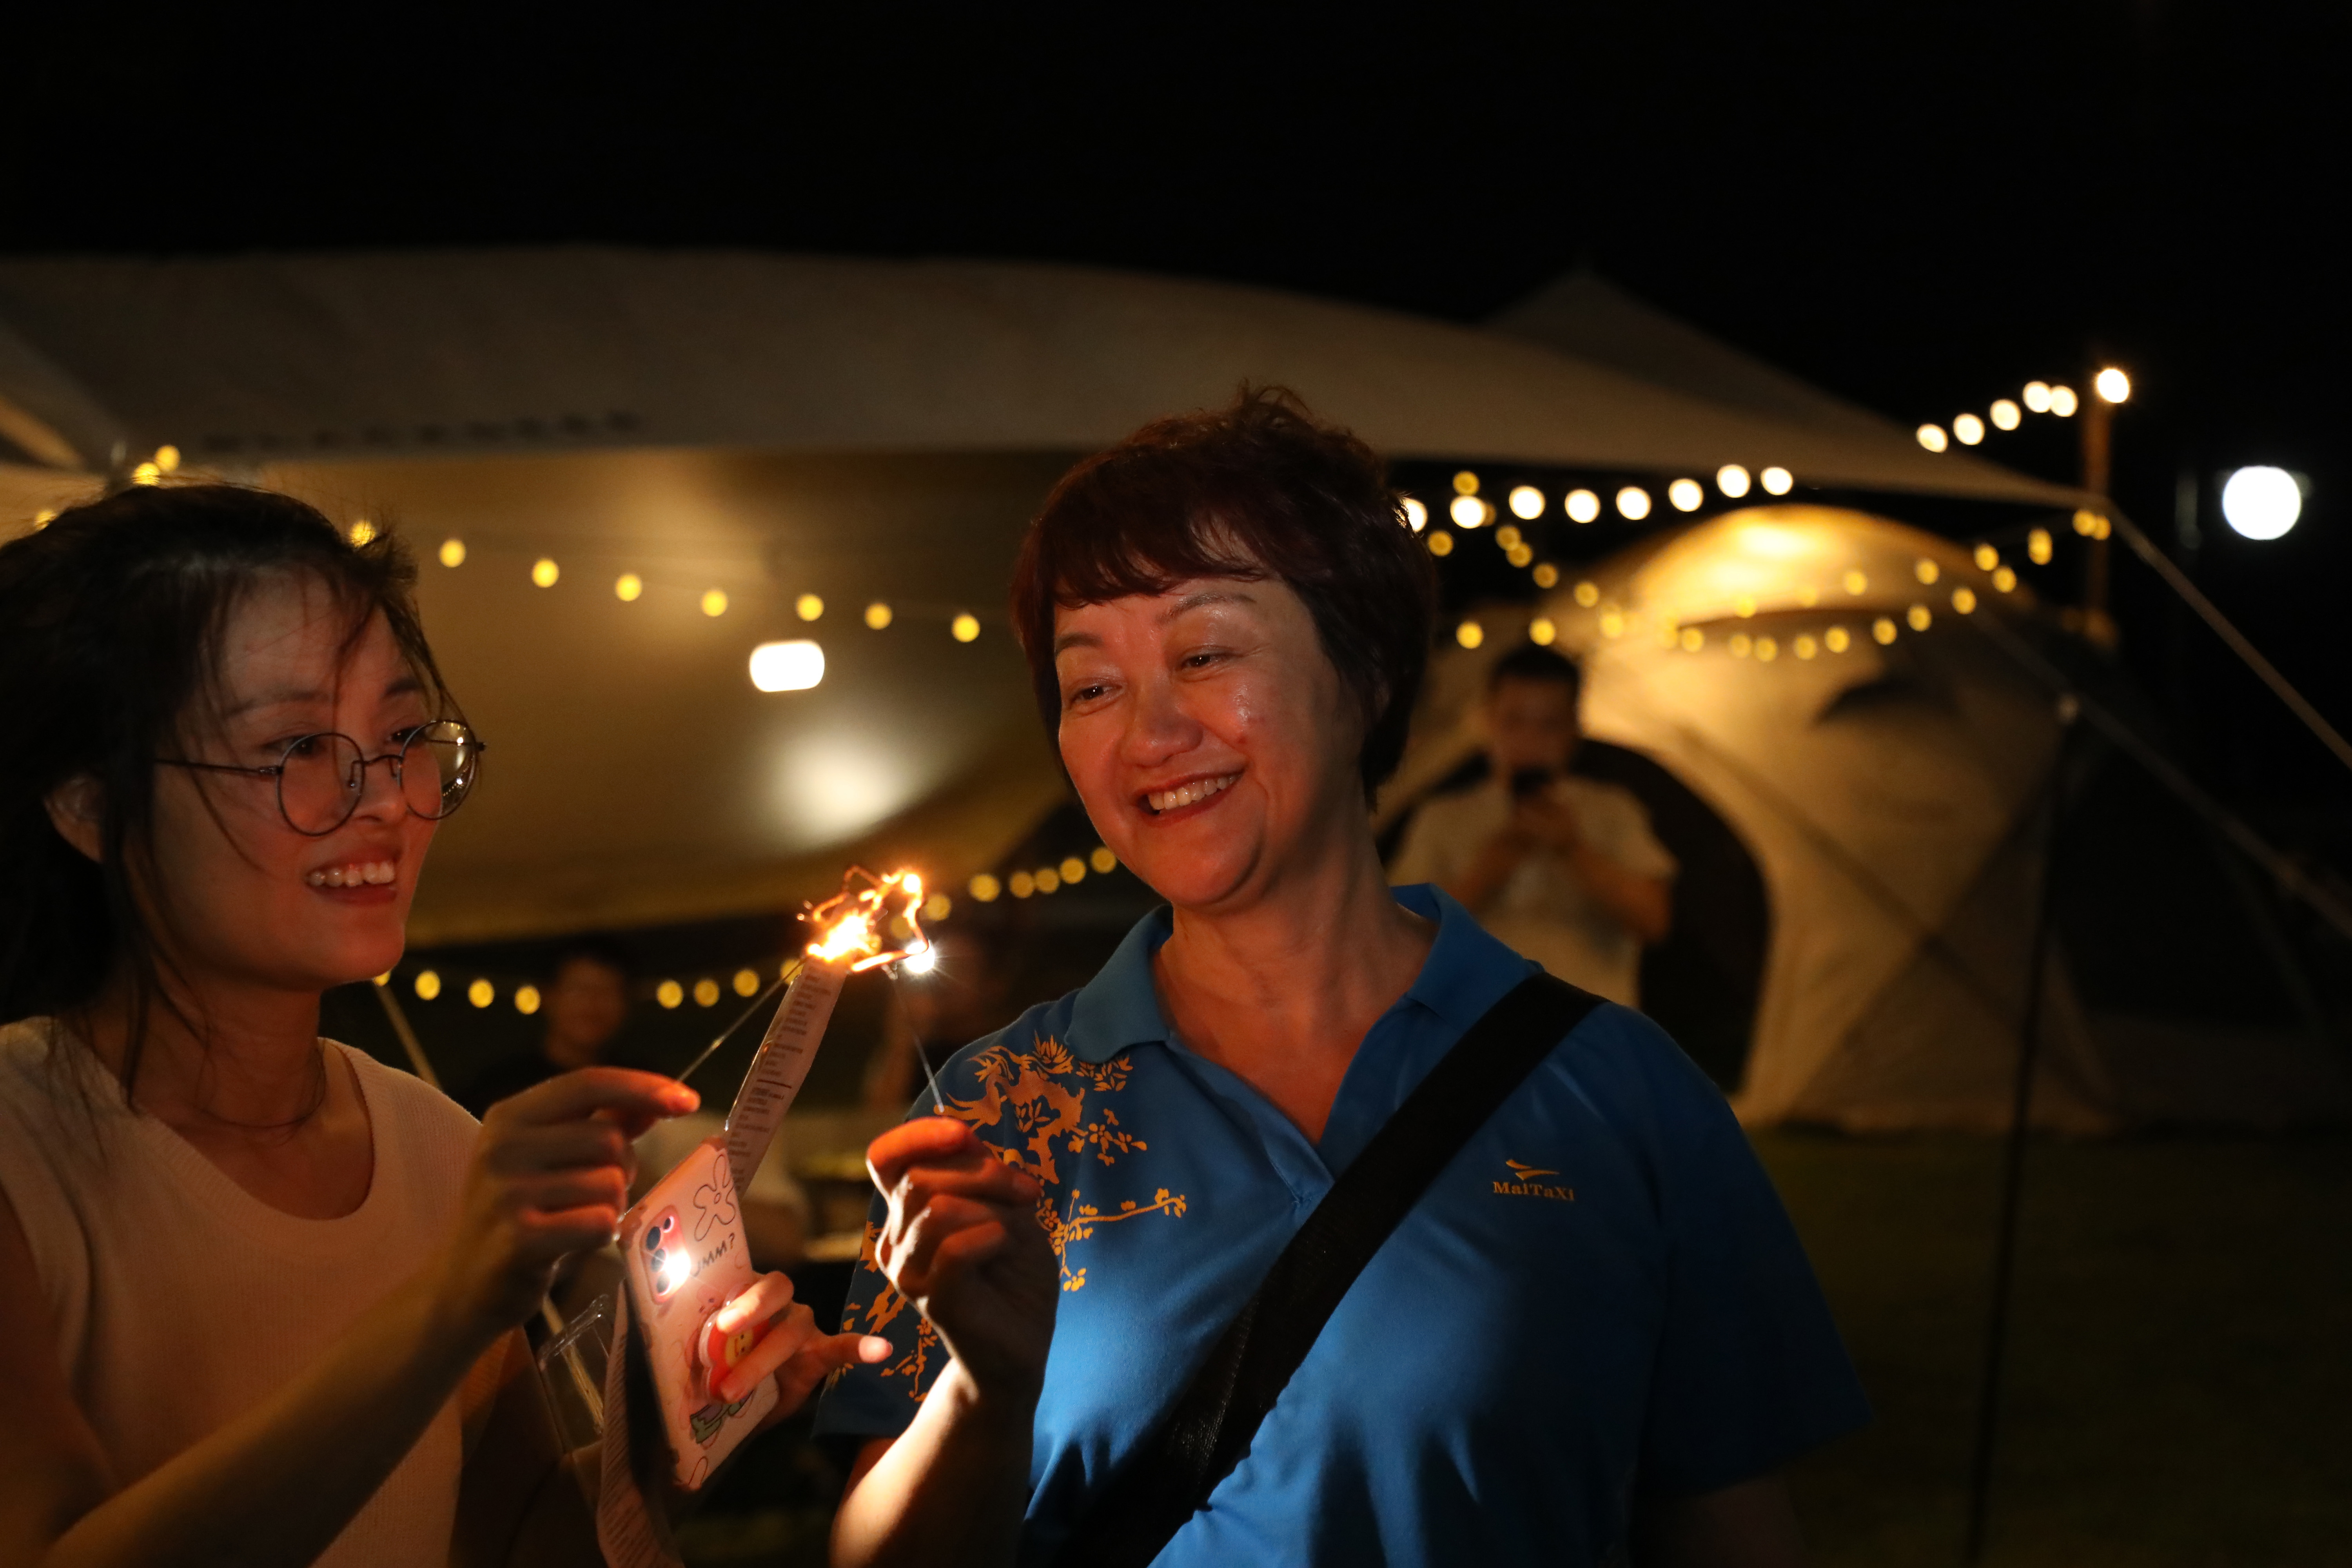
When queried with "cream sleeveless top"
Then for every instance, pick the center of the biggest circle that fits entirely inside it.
(181, 1301)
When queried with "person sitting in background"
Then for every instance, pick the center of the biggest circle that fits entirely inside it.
(1564, 871)
(584, 1005)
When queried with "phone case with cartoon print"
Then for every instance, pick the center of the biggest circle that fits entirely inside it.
(684, 1255)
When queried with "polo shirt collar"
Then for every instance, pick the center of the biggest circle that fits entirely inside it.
(1466, 973)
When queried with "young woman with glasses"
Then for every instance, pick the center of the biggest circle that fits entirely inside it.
(259, 1295)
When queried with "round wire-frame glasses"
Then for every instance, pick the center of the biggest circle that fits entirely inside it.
(321, 778)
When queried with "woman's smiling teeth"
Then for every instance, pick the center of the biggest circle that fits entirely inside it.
(366, 872)
(1187, 794)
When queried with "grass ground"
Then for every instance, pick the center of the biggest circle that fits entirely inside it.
(2181, 1369)
(2180, 1373)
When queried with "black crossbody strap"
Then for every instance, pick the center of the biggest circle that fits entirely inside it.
(1209, 1429)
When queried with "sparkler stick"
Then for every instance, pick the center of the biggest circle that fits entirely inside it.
(852, 933)
(938, 1107)
(729, 1031)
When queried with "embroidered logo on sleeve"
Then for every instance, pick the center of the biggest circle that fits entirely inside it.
(1527, 1181)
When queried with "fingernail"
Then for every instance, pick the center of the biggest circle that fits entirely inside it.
(681, 1098)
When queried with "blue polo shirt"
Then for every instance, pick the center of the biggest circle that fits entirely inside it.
(1601, 1291)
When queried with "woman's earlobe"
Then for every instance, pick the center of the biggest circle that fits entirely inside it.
(78, 810)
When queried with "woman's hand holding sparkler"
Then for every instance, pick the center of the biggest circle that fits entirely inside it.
(963, 1245)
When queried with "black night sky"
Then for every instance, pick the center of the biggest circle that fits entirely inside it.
(1919, 206)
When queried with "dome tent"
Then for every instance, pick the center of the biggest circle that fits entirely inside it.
(1891, 791)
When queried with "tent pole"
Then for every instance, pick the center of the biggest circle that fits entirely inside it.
(2012, 1175)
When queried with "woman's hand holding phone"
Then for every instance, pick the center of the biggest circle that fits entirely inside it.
(791, 1349)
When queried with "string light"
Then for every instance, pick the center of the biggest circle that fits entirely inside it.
(1469, 634)
(965, 627)
(794, 666)
(747, 982)
(706, 992)
(1526, 503)
(1804, 647)
(1837, 639)
(1469, 511)
(1588, 593)
(714, 603)
(1767, 650)
(627, 587)
(544, 571)
(1743, 606)
(2062, 401)
(526, 1000)
(1047, 880)
(2091, 524)
(984, 887)
(1919, 617)
(167, 456)
(1741, 644)
(1440, 542)
(1540, 631)
(428, 984)
(146, 474)
(808, 607)
(1072, 869)
(669, 993)
(1466, 483)
(1964, 599)
(1612, 623)
(1777, 482)
(1021, 884)
(1855, 582)
(453, 553)
(1693, 639)
(1732, 481)
(1684, 495)
(938, 907)
(1883, 629)
(2004, 579)
(2006, 414)
(1926, 571)
(2111, 384)
(1506, 536)
(42, 518)
(1103, 860)
(1932, 437)
(2037, 547)
(1416, 516)
(1633, 503)
(1582, 505)
(481, 992)
(2037, 398)
(877, 615)
(1547, 575)
(2261, 502)
(1987, 558)
(1966, 429)
(362, 533)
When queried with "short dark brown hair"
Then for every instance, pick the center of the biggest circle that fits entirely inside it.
(1257, 490)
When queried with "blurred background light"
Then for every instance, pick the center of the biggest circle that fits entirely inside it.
(2261, 501)
(1526, 503)
(1732, 481)
(794, 666)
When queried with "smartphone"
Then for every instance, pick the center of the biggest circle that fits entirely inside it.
(685, 1257)
(1525, 781)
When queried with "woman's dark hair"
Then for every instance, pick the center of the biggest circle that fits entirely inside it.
(1259, 488)
(111, 623)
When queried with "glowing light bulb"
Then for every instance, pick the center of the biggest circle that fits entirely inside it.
(1468, 511)
(794, 666)
(2006, 415)
(1047, 879)
(1966, 429)
(1837, 639)
(1469, 634)
(1526, 503)
(429, 985)
(1743, 606)
(1021, 884)
(1777, 482)
(1612, 622)
(526, 1000)
(938, 907)
(2037, 547)
(1693, 639)
(2261, 502)
(669, 993)
(1932, 436)
(1546, 575)
(453, 553)
(1506, 536)
(984, 887)
(808, 607)
(2037, 398)
(1683, 495)
(714, 603)
(1072, 869)
(1441, 542)
(544, 571)
(1582, 505)
(1926, 571)
(964, 627)
(877, 615)
(2062, 401)
(1519, 555)
(1103, 860)
(1883, 629)
(167, 459)
(146, 474)
(1588, 593)
(628, 588)
(1466, 483)
(1741, 644)
(481, 992)
(1633, 503)
(1855, 583)
(1804, 647)
(2004, 579)
(362, 533)
(1416, 516)
(1919, 617)
(2112, 385)
(1987, 558)
(1964, 599)
(1540, 631)
(706, 992)
(1767, 650)
(746, 981)
(1732, 481)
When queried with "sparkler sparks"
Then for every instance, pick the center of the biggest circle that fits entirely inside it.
(853, 925)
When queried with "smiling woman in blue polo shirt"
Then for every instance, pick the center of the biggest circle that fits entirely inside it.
(1593, 1334)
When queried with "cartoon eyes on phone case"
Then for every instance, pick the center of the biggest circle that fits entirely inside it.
(668, 1264)
(714, 1202)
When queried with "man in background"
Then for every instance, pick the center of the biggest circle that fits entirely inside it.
(581, 1007)
(1564, 869)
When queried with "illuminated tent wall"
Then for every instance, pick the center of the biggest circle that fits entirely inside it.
(767, 427)
(1805, 671)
